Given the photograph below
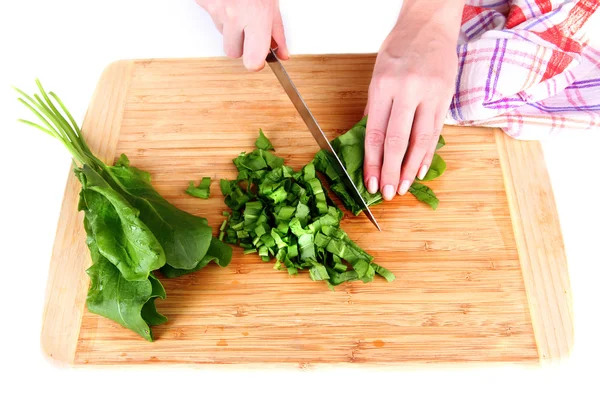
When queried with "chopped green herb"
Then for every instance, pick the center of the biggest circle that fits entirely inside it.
(201, 191)
(262, 142)
(424, 194)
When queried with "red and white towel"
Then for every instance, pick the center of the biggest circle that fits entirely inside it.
(530, 67)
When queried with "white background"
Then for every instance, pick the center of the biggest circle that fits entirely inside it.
(67, 43)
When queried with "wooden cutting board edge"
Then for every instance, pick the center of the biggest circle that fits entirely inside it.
(537, 233)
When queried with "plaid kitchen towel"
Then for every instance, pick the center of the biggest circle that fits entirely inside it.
(530, 67)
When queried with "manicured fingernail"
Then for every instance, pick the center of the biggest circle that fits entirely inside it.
(403, 188)
(388, 192)
(372, 185)
(423, 171)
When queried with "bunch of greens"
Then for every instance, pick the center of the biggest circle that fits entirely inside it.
(131, 229)
(288, 216)
(350, 149)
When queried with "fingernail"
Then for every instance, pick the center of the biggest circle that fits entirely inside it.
(372, 185)
(403, 188)
(423, 171)
(388, 192)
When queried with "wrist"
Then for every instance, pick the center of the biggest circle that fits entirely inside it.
(439, 17)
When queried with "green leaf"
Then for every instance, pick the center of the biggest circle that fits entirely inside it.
(149, 312)
(307, 247)
(365, 271)
(437, 168)
(424, 194)
(225, 186)
(254, 162)
(263, 142)
(202, 191)
(120, 234)
(337, 278)
(218, 252)
(387, 274)
(441, 143)
(129, 303)
(185, 238)
(317, 271)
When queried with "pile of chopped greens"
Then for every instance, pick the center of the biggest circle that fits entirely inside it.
(131, 229)
(351, 150)
(288, 216)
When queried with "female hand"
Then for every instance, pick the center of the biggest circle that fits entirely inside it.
(410, 94)
(248, 27)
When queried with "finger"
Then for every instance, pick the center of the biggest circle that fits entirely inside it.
(437, 130)
(233, 40)
(379, 113)
(396, 143)
(421, 138)
(257, 40)
(279, 36)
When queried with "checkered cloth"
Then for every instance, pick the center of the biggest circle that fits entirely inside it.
(530, 67)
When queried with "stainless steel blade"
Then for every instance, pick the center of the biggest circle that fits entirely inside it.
(316, 130)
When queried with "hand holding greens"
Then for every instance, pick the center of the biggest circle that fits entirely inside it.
(350, 149)
(131, 229)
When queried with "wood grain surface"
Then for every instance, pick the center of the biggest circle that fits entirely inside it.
(467, 273)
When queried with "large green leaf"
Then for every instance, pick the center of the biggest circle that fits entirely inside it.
(119, 233)
(130, 304)
(218, 252)
(185, 238)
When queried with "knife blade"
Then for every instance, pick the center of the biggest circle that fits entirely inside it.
(316, 131)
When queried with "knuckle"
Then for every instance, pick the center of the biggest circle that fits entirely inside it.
(373, 167)
(422, 140)
(230, 12)
(413, 78)
(383, 82)
(375, 137)
(396, 140)
(439, 85)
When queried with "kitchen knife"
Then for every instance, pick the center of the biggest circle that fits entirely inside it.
(316, 131)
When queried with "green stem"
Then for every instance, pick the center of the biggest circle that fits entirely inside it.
(73, 122)
(66, 131)
(56, 125)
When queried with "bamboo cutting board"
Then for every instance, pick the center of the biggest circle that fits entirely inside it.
(482, 278)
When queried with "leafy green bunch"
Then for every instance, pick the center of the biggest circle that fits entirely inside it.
(131, 229)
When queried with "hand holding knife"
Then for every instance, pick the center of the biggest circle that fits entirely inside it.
(316, 130)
